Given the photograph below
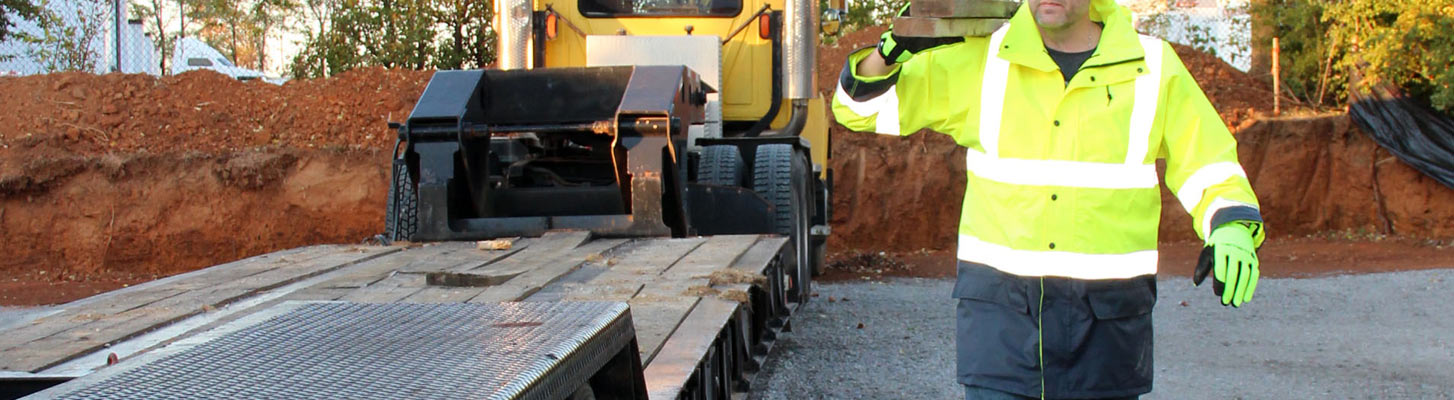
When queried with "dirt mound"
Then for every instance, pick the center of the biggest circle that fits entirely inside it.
(140, 215)
(204, 111)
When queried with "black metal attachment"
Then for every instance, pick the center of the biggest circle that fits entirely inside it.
(519, 152)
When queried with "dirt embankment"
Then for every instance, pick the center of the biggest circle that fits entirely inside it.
(74, 217)
(118, 178)
(121, 177)
(204, 111)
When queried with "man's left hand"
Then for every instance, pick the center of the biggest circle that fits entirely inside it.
(1231, 256)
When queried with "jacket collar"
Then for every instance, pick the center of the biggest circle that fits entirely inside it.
(1119, 42)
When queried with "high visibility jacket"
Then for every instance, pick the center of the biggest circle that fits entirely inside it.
(1062, 177)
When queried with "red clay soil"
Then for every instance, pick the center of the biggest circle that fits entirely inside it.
(111, 180)
(203, 111)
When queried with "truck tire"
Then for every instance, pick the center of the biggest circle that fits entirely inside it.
(721, 165)
(781, 176)
(401, 209)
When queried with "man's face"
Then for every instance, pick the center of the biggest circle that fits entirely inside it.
(1059, 14)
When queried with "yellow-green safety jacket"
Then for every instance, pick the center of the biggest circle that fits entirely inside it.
(1062, 177)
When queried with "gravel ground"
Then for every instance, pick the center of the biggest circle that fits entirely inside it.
(1376, 336)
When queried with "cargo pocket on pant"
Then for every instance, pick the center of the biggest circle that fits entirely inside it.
(984, 284)
(1118, 354)
(995, 334)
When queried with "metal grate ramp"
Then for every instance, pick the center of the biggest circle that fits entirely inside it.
(331, 350)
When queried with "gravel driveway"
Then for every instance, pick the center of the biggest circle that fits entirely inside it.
(1382, 336)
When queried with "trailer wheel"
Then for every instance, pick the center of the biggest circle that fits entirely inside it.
(780, 175)
(721, 165)
(401, 210)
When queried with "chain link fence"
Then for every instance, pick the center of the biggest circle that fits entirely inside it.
(78, 35)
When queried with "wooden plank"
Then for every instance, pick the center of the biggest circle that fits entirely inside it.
(628, 270)
(311, 294)
(963, 8)
(231, 272)
(106, 305)
(756, 259)
(393, 288)
(679, 357)
(412, 258)
(60, 347)
(464, 256)
(946, 27)
(435, 294)
(695, 268)
(78, 340)
(551, 246)
(655, 318)
(546, 270)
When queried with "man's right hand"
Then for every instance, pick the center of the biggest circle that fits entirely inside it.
(897, 49)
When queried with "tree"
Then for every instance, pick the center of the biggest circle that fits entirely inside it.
(24, 9)
(470, 40)
(266, 16)
(388, 33)
(152, 12)
(1400, 42)
(224, 26)
(67, 40)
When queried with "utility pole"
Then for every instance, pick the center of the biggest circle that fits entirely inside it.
(116, 34)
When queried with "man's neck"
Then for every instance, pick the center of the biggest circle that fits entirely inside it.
(1078, 37)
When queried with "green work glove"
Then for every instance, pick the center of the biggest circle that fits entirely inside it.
(1231, 256)
(899, 49)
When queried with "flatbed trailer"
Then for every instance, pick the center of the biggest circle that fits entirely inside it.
(705, 310)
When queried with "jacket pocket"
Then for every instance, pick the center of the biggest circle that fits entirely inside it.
(1122, 302)
(985, 284)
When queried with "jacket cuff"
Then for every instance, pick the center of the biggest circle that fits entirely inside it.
(864, 88)
(1241, 213)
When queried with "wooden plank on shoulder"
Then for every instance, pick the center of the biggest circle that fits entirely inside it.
(546, 270)
(679, 357)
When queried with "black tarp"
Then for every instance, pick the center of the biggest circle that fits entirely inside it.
(1414, 132)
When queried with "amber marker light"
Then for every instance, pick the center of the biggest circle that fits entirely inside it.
(550, 21)
(764, 26)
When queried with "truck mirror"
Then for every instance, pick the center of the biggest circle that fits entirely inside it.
(832, 22)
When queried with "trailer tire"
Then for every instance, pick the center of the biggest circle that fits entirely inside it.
(401, 209)
(721, 165)
(781, 176)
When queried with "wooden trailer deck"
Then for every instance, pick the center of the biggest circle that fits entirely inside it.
(704, 309)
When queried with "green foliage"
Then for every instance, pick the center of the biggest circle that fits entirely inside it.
(871, 13)
(1337, 43)
(413, 34)
(24, 9)
(65, 41)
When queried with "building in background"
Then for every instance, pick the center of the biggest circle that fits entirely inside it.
(1220, 27)
(82, 36)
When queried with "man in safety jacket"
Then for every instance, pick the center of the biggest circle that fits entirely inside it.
(1064, 112)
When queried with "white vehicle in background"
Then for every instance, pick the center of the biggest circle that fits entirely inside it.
(192, 54)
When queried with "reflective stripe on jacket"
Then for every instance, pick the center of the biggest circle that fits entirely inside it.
(1062, 177)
